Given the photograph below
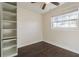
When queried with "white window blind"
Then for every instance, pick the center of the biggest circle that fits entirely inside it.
(68, 20)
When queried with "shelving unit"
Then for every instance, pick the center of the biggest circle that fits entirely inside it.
(10, 52)
(8, 20)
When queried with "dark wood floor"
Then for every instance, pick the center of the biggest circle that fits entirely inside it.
(43, 49)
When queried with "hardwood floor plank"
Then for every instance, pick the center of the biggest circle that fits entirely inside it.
(43, 49)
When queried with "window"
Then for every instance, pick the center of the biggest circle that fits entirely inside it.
(68, 20)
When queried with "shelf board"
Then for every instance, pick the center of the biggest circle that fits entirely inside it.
(9, 13)
(8, 29)
(6, 38)
(9, 6)
(13, 3)
(13, 55)
(9, 21)
(9, 47)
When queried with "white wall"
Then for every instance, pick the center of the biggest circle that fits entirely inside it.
(68, 39)
(29, 26)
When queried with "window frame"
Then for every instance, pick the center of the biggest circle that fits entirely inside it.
(77, 21)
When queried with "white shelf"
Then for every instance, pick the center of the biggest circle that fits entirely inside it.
(13, 55)
(9, 13)
(9, 29)
(12, 3)
(9, 47)
(9, 44)
(10, 52)
(9, 17)
(9, 21)
(7, 5)
(9, 37)
(9, 40)
(9, 25)
(10, 7)
(9, 33)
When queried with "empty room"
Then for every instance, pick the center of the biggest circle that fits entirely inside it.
(39, 29)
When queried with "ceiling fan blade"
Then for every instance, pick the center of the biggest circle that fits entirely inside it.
(55, 3)
(44, 5)
(33, 2)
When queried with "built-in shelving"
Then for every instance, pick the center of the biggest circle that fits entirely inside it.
(9, 25)
(6, 38)
(9, 47)
(9, 43)
(13, 54)
(9, 7)
(10, 52)
(8, 29)
(9, 13)
(9, 21)
(12, 3)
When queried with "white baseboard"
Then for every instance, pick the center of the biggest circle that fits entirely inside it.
(30, 43)
(74, 51)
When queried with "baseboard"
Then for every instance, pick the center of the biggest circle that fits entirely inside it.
(30, 44)
(62, 47)
(54, 45)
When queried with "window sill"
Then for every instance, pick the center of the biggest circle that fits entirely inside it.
(65, 29)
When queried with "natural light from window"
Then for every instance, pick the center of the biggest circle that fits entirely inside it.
(68, 20)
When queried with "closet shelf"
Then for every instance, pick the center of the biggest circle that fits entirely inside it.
(9, 21)
(12, 55)
(12, 21)
(7, 38)
(7, 6)
(8, 29)
(9, 13)
(12, 3)
(9, 47)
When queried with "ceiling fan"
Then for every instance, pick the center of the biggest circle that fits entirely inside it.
(44, 5)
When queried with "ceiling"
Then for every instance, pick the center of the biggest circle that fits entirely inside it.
(37, 7)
